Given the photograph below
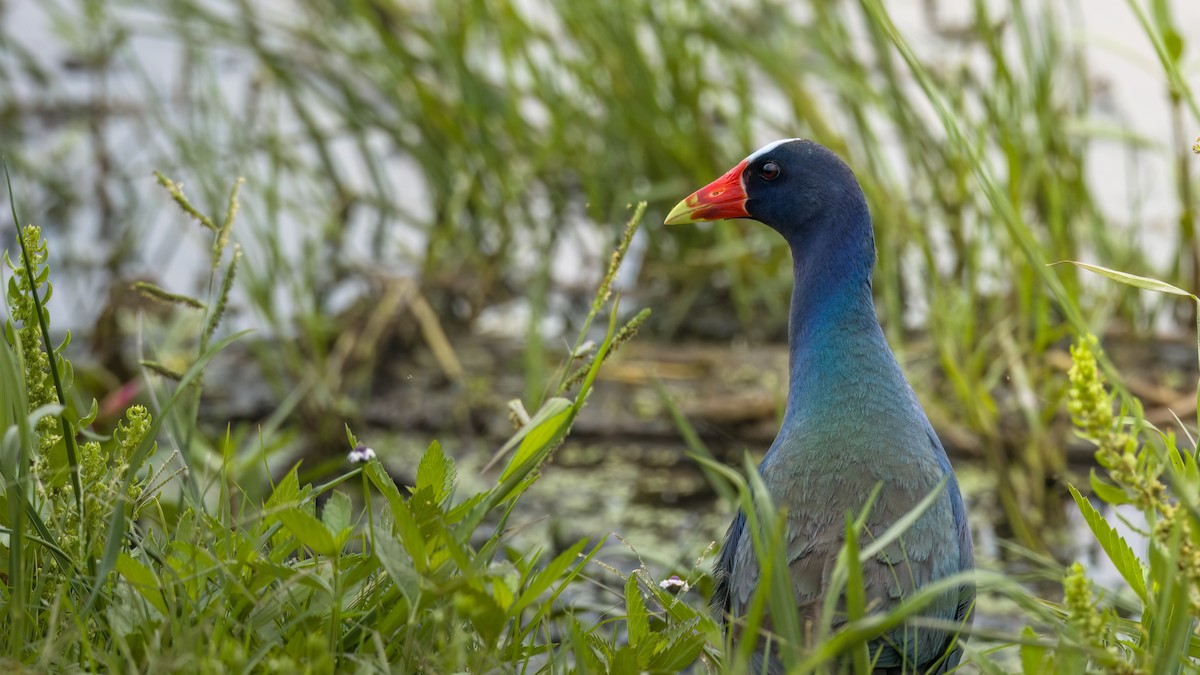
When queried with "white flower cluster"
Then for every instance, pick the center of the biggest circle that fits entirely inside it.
(674, 585)
(361, 454)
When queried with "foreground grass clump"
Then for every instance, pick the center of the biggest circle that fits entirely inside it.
(118, 558)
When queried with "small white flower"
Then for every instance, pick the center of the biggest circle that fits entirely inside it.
(361, 454)
(674, 585)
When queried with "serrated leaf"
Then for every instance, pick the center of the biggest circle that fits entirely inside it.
(399, 566)
(336, 513)
(625, 660)
(1118, 550)
(286, 492)
(309, 531)
(587, 648)
(637, 618)
(680, 648)
(436, 472)
(406, 525)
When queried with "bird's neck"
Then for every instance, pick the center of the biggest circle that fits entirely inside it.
(836, 345)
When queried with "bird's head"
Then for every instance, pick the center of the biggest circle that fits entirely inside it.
(788, 185)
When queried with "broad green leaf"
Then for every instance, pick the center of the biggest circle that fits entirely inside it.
(679, 648)
(142, 579)
(336, 513)
(637, 618)
(406, 525)
(1122, 556)
(436, 472)
(398, 564)
(310, 531)
(625, 660)
(1131, 279)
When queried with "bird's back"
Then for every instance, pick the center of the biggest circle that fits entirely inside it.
(865, 428)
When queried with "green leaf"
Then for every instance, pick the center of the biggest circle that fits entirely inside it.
(549, 408)
(1171, 621)
(1131, 279)
(285, 494)
(544, 607)
(1108, 492)
(398, 564)
(336, 514)
(584, 647)
(547, 576)
(637, 618)
(143, 580)
(680, 648)
(543, 430)
(1122, 556)
(310, 531)
(625, 660)
(1034, 659)
(856, 594)
(505, 581)
(460, 511)
(406, 525)
(436, 472)
(1171, 40)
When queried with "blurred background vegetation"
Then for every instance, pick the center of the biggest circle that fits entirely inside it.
(430, 185)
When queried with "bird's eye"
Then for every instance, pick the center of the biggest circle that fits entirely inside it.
(769, 171)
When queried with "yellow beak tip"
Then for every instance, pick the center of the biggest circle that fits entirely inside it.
(680, 215)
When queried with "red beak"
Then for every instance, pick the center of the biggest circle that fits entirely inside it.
(723, 198)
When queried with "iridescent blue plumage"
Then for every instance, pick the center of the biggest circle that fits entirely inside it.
(852, 421)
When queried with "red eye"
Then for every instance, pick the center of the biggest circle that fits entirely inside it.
(769, 171)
